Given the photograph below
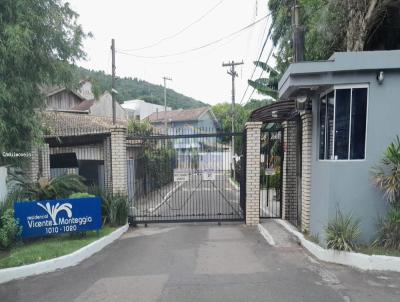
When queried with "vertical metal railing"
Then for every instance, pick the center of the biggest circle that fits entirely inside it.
(186, 176)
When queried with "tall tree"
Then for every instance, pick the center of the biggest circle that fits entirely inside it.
(330, 25)
(336, 25)
(39, 41)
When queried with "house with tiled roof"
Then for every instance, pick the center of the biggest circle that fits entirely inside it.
(77, 132)
(186, 120)
(81, 100)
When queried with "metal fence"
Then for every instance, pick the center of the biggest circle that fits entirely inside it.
(186, 177)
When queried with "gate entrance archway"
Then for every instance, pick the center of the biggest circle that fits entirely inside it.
(187, 178)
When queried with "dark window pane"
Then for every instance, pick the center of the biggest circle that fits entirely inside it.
(322, 121)
(358, 123)
(329, 130)
(342, 123)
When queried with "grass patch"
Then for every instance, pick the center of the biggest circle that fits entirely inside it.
(371, 250)
(48, 248)
(234, 181)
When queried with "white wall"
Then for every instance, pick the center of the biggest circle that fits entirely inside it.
(86, 90)
(3, 185)
(142, 108)
(103, 107)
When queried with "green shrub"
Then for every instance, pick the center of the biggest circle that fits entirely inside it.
(81, 195)
(386, 177)
(114, 208)
(56, 188)
(342, 232)
(8, 202)
(118, 210)
(9, 229)
(388, 235)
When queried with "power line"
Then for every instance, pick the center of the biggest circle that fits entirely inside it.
(259, 58)
(262, 72)
(180, 31)
(199, 47)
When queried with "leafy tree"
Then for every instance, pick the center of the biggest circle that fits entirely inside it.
(39, 40)
(133, 88)
(254, 104)
(139, 128)
(335, 25)
(223, 112)
(330, 25)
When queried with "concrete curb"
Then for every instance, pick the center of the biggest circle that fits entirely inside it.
(12, 273)
(267, 236)
(357, 260)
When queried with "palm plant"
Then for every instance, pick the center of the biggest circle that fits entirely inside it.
(342, 232)
(267, 86)
(55, 188)
(389, 230)
(387, 176)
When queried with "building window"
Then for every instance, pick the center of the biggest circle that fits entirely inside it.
(342, 124)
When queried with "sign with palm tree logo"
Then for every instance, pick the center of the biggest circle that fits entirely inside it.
(52, 217)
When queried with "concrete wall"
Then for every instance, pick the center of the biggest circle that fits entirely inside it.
(142, 108)
(3, 185)
(347, 184)
(103, 107)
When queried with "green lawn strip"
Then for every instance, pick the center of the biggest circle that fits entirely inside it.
(378, 251)
(48, 248)
(234, 181)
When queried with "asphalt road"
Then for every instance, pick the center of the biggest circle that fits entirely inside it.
(193, 199)
(204, 262)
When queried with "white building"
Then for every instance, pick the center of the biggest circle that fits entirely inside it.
(142, 109)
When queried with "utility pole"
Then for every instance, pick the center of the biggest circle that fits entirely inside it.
(233, 74)
(165, 103)
(113, 90)
(298, 34)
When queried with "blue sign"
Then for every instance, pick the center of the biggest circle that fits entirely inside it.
(52, 217)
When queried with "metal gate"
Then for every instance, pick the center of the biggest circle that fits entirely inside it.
(271, 150)
(187, 177)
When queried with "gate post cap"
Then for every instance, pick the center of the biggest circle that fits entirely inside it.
(253, 125)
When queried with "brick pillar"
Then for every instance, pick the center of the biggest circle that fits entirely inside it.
(289, 183)
(44, 160)
(107, 165)
(306, 170)
(32, 171)
(253, 172)
(119, 170)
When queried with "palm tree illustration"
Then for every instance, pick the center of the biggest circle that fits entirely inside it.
(55, 209)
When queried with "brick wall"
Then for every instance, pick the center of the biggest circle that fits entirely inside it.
(253, 173)
(289, 183)
(306, 170)
(107, 164)
(32, 171)
(119, 169)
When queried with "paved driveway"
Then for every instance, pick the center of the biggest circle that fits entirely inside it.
(203, 263)
(195, 199)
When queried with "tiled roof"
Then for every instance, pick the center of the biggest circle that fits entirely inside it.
(76, 124)
(84, 105)
(180, 115)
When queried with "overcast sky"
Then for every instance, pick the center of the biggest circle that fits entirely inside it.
(199, 74)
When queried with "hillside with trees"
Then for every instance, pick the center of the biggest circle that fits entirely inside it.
(134, 88)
